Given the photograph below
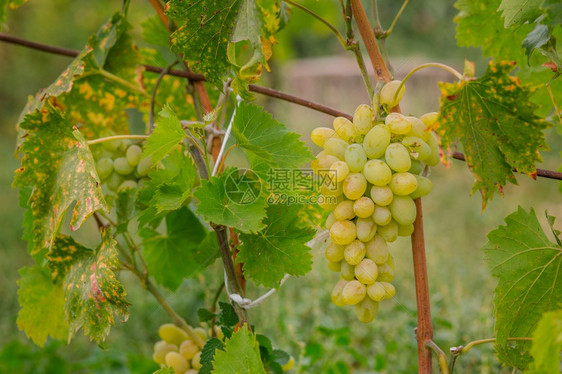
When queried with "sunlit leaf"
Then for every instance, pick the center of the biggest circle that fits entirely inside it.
(528, 267)
(241, 355)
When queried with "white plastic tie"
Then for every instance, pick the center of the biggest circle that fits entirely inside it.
(246, 303)
(226, 136)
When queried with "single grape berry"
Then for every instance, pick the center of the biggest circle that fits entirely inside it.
(343, 232)
(362, 119)
(122, 166)
(188, 349)
(389, 95)
(353, 292)
(172, 334)
(377, 250)
(144, 166)
(344, 128)
(134, 154)
(104, 166)
(320, 134)
(366, 310)
(366, 271)
(177, 362)
(354, 252)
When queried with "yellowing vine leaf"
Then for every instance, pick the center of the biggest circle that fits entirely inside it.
(93, 294)
(59, 166)
(529, 271)
(39, 297)
(495, 122)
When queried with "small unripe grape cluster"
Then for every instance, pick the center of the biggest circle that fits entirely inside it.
(370, 172)
(119, 164)
(177, 351)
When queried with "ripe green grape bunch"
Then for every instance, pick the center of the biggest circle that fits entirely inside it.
(120, 165)
(371, 173)
(177, 351)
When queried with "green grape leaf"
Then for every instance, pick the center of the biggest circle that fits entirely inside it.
(538, 37)
(547, 344)
(42, 306)
(208, 353)
(168, 132)
(527, 266)
(280, 247)
(205, 315)
(232, 200)
(495, 122)
(241, 355)
(170, 257)
(228, 316)
(154, 32)
(517, 12)
(168, 188)
(267, 143)
(550, 220)
(204, 37)
(480, 25)
(59, 164)
(93, 294)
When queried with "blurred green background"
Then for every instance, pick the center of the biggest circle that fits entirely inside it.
(300, 318)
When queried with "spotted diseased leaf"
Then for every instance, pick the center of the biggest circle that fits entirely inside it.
(517, 12)
(528, 267)
(42, 306)
(168, 132)
(173, 256)
(280, 247)
(94, 102)
(495, 122)
(204, 37)
(547, 344)
(59, 166)
(93, 294)
(232, 200)
(241, 354)
(267, 143)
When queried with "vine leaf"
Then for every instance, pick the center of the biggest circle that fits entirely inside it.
(241, 354)
(494, 120)
(528, 268)
(517, 12)
(167, 133)
(550, 220)
(538, 37)
(280, 247)
(173, 256)
(61, 168)
(93, 294)
(218, 203)
(480, 25)
(154, 32)
(42, 306)
(204, 37)
(547, 344)
(168, 188)
(267, 143)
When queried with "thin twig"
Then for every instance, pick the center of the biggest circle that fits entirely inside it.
(556, 108)
(387, 32)
(442, 358)
(153, 97)
(115, 137)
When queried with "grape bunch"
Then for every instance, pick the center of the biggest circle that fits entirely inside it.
(370, 172)
(177, 351)
(120, 165)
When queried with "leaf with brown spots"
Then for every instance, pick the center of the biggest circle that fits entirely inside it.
(495, 122)
(59, 166)
(93, 294)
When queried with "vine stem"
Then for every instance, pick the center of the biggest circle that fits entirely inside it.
(545, 173)
(115, 137)
(424, 331)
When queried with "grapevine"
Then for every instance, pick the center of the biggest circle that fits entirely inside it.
(160, 151)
